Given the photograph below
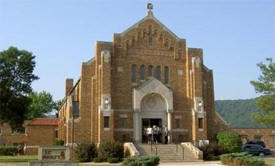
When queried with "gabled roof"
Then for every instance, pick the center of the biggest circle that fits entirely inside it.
(42, 122)
(152, 17)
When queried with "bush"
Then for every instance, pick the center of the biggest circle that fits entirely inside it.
(113, 160)
(110, 149)
(8, 150)
(98, 159)
(229, 141)
(141, 161)
(58, 142)
(244, 159)
(85, 152)
(212, 151)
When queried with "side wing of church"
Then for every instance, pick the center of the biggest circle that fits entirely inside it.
(146, 76)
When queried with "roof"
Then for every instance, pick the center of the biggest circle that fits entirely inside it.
(42, 122)
(152, 17)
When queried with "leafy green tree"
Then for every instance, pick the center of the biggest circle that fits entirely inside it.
(266, 86)
(16, 76)
(57, 105)
(41, 104)
(230, 141)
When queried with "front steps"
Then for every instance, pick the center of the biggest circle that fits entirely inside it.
(166, 152)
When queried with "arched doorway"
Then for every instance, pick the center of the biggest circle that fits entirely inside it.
(153, 112)
(152, 100)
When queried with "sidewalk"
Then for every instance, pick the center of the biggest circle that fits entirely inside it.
(203, 163)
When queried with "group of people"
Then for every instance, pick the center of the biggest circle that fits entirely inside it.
(156, 134)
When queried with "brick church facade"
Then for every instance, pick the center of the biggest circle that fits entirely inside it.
(146, 76)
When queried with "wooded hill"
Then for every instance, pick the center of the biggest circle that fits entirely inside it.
(238, 113)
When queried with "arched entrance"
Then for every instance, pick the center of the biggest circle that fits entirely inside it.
(152, 102)
(153, 112)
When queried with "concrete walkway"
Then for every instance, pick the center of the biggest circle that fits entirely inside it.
(207, 163)
(204, 163)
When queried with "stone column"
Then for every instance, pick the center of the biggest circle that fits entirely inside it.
(169, 126)
(136, 126)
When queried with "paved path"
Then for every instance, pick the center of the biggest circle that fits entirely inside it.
(207, 163)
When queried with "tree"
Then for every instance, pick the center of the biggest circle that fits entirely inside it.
(16, 76)
(57, 105)
(41, 104)
(266, 86)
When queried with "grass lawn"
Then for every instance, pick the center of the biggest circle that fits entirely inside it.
(270, 161)
(19, 158)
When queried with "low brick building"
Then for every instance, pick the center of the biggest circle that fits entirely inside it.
(264, 134)
(146, 76)
(37, 132)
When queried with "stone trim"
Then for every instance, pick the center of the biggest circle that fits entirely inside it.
(123, 129)
(180, 130)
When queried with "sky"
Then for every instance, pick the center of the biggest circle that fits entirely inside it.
(235, 35)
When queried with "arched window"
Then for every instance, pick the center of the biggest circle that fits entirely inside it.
(157, 73)
(133, 73)
(150, 41)
(142, 72)
(150, 71)
(166, 74)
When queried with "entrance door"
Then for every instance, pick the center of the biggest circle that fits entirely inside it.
(146, 122)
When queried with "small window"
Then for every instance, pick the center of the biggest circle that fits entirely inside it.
(56, 133)
(123, 122)
(177, 123)
(106, 121)
(150, 71)
(166, 74)
(133, 73)
(200, 123)
(142, 72)
(75, 108)
(157, 73)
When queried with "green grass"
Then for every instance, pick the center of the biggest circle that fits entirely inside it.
(270, 161)
(18, 158)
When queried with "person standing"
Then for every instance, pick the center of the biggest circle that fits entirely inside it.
(165, 133)
(155, 134)
(149, 134)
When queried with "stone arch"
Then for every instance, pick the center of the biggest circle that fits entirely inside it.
(153, 102)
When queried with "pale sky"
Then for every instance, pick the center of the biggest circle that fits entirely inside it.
(235, 35)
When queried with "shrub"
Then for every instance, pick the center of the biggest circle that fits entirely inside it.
(113, 160)
(244, 159)
(58, 142)
(229, 141)
(212, 151)
(141, 161)
(8, 150)
(98, 159)
(110, 149)
(85, 152)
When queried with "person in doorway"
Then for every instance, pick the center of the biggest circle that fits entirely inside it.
(165, 133)
(149, 134)
(155, 134)
(159, 134)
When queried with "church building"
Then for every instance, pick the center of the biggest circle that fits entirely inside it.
(145, 76)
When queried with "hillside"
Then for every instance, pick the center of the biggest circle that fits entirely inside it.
(238, 113)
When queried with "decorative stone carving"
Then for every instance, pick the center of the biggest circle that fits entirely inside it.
(153, 102)
(196, 61)
(180, 72)
(120, 69)
(106, 56)
(105, 107)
